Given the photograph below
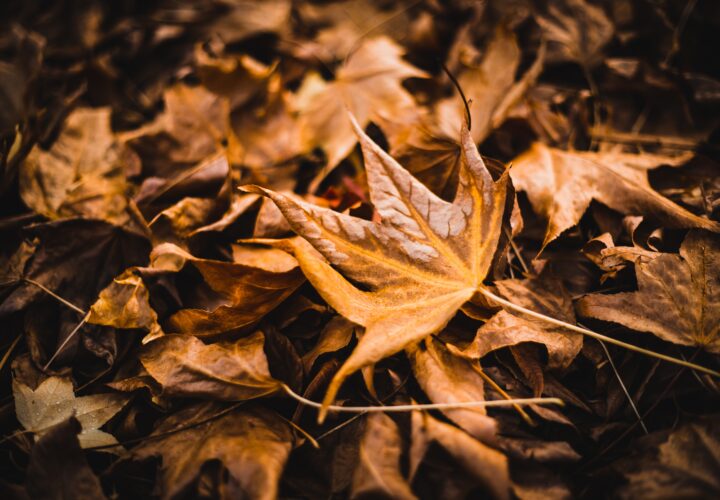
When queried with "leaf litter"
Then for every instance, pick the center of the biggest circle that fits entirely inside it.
(359, 248)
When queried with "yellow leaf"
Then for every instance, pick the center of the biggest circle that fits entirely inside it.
(416, 267)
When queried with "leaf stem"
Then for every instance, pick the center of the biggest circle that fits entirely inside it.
(434, 406)
(589, 333)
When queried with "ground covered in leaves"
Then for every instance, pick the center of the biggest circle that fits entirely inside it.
(212, 210)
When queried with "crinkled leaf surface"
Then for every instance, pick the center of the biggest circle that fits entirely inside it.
(561, 184)
(419, 264)
(252, 442)
(678, 296)
(54, 401)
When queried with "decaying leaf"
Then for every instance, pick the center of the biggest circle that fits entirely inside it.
(83, 174)
(54, 401)
(252, 443)
(508, 328)
(225, 371)
(678, 297)
(420, 263)
(448, 378)
(125, 303)
(486, 465)
(369, 85)
(561, 184)
(377, 473)
(682, 464)
(247, 291)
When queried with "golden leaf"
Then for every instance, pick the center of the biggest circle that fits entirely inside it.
(416, 267)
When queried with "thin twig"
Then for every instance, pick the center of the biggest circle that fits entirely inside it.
(433, 406)
(65, 342)
(622, 385)
(6, 356)
(54, 295)
(462, 94)
(589, 333)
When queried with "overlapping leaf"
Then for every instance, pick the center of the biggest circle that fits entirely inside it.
(419, 264)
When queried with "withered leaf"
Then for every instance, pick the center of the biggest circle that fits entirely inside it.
(125, 303)
(486, 465)
(82, 174)
(253, 443)
(225, 371)
(54, 401)
(75, 268)
(368, 84)
(448, 378)
(58, 468)
(547, 296)
(377, 473)
(194, 125)
(561, 184)
(247, 291)
(678, 296)
(420, 263)
(683, 464)
(337, 334)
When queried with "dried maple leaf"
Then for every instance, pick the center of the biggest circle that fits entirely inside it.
(506, 328)
(682, 464)
(368, 84)
(678, 297)
(486, 465)
(247, 290)
(53, 402)
(423, 260)
(252, 442)
(82, 174)
(125, 303)
(225, 371)
(448, 378)
(377, 473)
(561, 184)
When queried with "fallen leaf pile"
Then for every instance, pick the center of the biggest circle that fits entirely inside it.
(359, 248)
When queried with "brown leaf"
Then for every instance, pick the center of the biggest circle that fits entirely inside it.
(58, 468)
(611, 259)
(561, 184)
(420, 263)
(488, 466)
(252, 442)
(194, 126)
(337, 334)
(428, 147)
(54, 401)
(226, 371)
(83, 174)
(125, 303)
(546, 296)
(448, 378)
(77, 268)
(377, 473)
(577, 30)
(247, 291)
(368, 84)
(683, 464)
(678, 297)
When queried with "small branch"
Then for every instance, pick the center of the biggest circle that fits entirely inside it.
(590, 333)
(54, 295)
(622, 386)
(435, 406)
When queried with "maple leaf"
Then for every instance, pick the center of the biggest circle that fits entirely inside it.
(368, 84)
(82, 174)
(680, 464)
(678, 297)
(252, 442)
(377, 473)
(423, 260)
(53, 402)
(561, 184)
